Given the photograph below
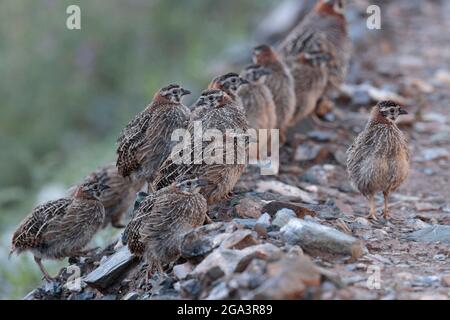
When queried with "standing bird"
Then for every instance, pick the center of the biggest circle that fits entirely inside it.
(378, 160)
(146, 141)
(61, 228)
(257, 99)
(280, 83)
(317, 52)
(162, 219)
(120, 195)
(223, 115)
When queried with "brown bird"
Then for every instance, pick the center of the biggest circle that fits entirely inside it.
(223, 114)
(120, 195)
(230, 84)
(317, 52)
(146, 141)
(280, 83)
(161, 220)
(61, 228)
(378, 160)
(257, 99)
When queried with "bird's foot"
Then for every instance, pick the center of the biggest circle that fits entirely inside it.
(372, 216)
(386, 214)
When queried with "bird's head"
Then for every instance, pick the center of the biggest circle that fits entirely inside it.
(91, 190)
(190, 185)
(255, 73)
(213, 98)
(171, 93)
(263, 54)
(230, 83)
(390, 110)
(336, 7)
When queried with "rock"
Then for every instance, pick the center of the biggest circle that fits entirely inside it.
(247, 223)
(131, 296)
(219, 292)
(285, 189)
(362, 221)
(380, 234)
(248, 208)
(322, 136)
(434, 233)
(111, 270)
(313, 236)
(288, 278)
(191, 288)
(426, 281)
(225, 259)
(181, 271)
(426, 206)
(442, 76)
(440, 257)
(434, 154)
(239, 239)
(341, 157)
(365, 93)
(318, 174)
(201, 241)
(264, 251)
(264, 220)
(282, 217)
(308, 152)
(300, 210)
(231, 261)
(214, 273)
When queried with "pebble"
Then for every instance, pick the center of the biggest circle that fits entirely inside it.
(283, 216)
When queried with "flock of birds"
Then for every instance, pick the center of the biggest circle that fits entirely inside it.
(281, 87)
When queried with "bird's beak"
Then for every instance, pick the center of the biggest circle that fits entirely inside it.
(402, 111)
(185, 92)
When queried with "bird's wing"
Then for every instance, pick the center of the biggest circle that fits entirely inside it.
(132, 138)
(131, 234)
(31, 231)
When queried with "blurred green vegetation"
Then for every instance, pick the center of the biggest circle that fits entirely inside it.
(66, 94)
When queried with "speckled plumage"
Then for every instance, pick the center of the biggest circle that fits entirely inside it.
(146, 141)
(229, 83)
(222, 114)
(280, 83)
(161, 219)
(120, 195)
(61, 228)
(378, 160)
(317, 52)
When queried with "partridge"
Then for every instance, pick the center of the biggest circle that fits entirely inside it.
(280, 83)
(63, 227)
(146, 141)
(161, 220)
(257, 99)
(317, 52)
(378, 160)
(120, 195)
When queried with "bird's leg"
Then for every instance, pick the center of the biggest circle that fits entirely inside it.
(386, 209)
(85, 252)
(41, 266)
(372, 212)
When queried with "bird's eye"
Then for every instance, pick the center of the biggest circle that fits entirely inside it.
(392, 110)
(176, 91)
(211, 98)
(233, 80)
